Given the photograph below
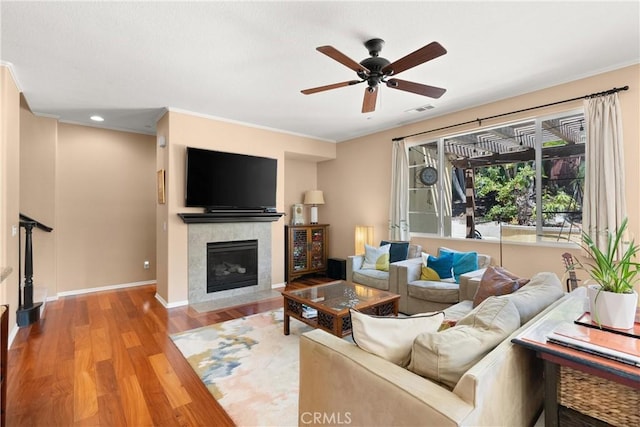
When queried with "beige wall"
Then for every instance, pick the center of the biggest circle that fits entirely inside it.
(300, 176)
(182, 130)
(105, 207)
(358, 180)
(162, 215)
(38, 142)
(9, 189)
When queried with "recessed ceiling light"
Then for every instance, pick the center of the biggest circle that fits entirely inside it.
(97, 118)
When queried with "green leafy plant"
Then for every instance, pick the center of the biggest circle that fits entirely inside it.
(612, 274)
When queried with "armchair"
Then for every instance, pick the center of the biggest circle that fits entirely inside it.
(420, 296)
(383, 280)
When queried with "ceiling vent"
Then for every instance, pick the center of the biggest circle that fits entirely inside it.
(421, 109)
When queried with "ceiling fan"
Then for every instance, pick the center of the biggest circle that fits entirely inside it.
(376, 70)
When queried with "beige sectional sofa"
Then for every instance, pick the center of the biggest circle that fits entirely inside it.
(341, 383)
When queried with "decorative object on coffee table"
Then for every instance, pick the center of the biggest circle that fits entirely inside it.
(613, 271)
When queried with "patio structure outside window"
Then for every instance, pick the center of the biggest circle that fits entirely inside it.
(526, 182)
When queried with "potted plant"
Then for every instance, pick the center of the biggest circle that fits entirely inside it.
(614, 272)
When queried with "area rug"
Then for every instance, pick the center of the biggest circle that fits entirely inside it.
(249, 366)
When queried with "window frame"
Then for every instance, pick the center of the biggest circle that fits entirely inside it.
(440, 187)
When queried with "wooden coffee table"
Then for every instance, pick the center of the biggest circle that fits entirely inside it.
(331, 303)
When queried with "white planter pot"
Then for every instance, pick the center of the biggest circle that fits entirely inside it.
(611, 309)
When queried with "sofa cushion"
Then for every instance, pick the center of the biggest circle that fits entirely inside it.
(372, 278)
(376, 258)
(497, 281)
(398, 252)
(391, 337)
(463, 262)
(445, 356)
(458, 311)
(542, 290)
(444, 292)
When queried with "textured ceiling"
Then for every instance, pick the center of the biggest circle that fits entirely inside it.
(248, 61)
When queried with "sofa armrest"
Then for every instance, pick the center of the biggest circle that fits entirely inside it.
(354, 263)
(338, 379)
(405, 272)
(510, 376)
(469, 283)
(411, 269)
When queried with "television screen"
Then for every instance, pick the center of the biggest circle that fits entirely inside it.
(219, 180)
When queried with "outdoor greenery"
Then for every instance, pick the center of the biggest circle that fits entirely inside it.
(511, 190)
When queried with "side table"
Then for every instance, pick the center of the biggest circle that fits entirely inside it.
(581, 388)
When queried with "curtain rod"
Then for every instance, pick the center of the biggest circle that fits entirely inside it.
(479, 121)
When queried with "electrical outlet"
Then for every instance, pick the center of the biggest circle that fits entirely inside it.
(14, 230)
(146, 265)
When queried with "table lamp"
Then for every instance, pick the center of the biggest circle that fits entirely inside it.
(314, 198)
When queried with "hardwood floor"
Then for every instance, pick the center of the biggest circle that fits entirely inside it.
(106, 359)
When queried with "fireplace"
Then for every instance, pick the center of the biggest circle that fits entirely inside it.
(232, 265)
(201, 234)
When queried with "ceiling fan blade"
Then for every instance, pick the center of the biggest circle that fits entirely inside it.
(420, 89)
(420, 56)
(369, 101)
(335, 54)
(329, 87)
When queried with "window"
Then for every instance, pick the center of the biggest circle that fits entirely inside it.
(519, 181)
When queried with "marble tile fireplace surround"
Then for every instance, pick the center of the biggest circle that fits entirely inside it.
(202, 229)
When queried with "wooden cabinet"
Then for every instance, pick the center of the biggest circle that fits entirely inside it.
(305, 250)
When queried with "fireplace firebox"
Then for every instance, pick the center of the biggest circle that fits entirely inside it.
(232, 265)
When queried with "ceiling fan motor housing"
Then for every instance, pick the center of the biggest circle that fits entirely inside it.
(375, 66)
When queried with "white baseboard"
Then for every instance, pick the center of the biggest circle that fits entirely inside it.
(12, 335)
(165, 304)
(278, 285)
(104, 288)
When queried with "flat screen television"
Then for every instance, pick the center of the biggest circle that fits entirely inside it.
(218, 180)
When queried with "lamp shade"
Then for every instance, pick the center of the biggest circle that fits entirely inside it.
(314, 197)
(364, 234)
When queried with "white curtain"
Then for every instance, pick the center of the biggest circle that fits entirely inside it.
(399, 209)
(604, 205)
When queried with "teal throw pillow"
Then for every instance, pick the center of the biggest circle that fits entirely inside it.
(443, 265)
(398, 252)
(463, 262)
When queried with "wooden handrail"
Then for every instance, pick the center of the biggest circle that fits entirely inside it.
(37, 224)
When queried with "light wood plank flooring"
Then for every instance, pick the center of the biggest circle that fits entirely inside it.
(106, 359)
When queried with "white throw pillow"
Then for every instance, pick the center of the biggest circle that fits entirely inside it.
(376, 258)
(392, 337)
(445, 356)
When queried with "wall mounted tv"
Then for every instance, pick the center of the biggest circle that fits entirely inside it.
(227, 181)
